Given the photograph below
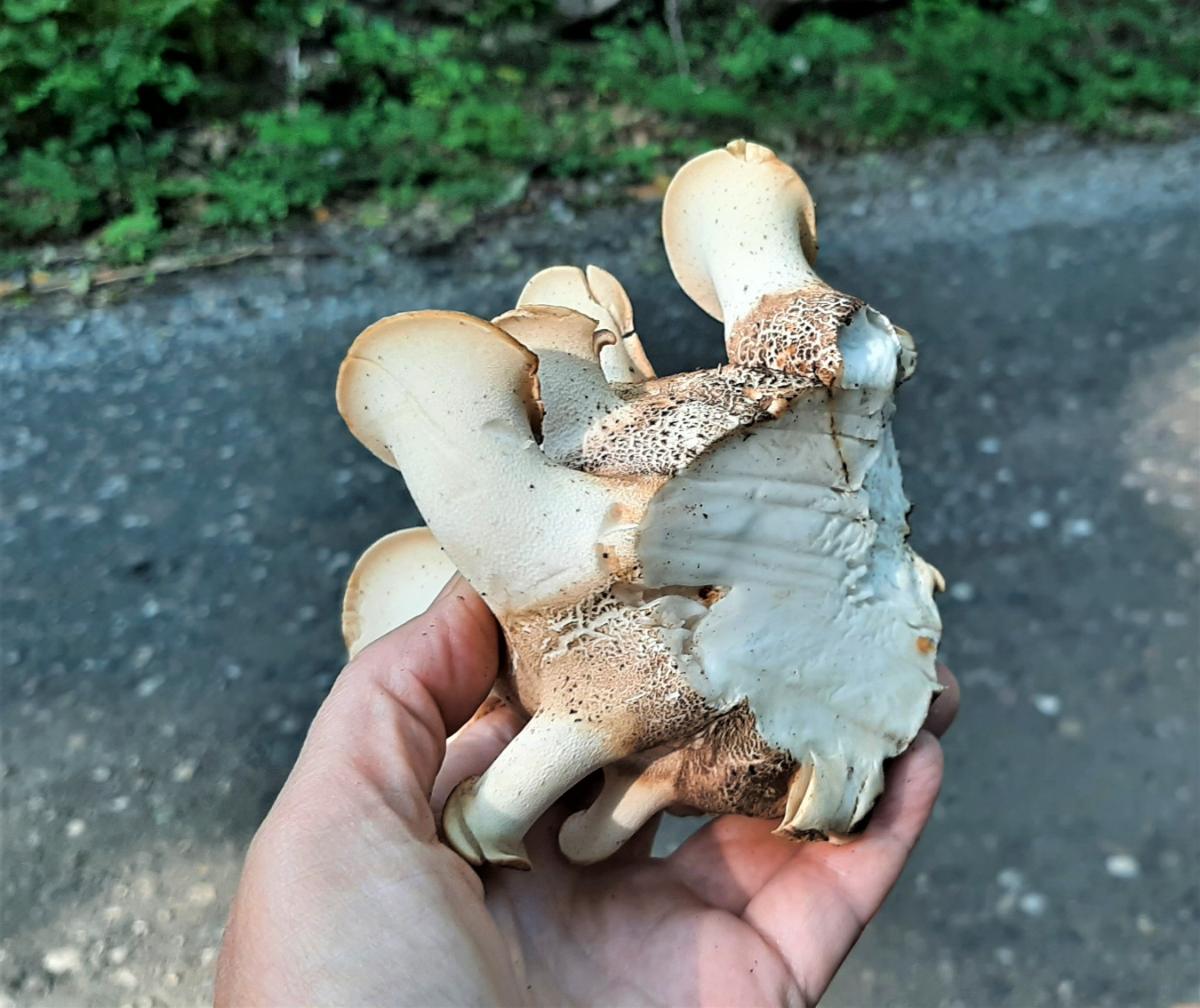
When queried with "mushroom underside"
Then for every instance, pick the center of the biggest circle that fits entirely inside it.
(709, 593)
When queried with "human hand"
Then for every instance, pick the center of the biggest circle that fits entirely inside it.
(348, 897)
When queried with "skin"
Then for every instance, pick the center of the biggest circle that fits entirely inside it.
(348, 897)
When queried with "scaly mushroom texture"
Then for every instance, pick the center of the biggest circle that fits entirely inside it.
(703, 579)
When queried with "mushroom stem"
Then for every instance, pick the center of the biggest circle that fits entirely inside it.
(739, 225)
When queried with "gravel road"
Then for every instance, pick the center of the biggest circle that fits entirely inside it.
(181, 505)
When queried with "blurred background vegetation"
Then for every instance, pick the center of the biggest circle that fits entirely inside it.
(130, 123)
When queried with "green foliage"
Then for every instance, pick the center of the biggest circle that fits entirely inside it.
(127, 119)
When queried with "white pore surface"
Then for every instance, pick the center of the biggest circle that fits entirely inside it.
(803, 520)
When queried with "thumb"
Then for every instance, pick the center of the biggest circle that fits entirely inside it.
(386, 719)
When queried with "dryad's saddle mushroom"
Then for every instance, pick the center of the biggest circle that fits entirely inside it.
(703, 579)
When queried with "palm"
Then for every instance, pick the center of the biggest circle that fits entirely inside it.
(635, 934)
(348, 897)
(735, 916)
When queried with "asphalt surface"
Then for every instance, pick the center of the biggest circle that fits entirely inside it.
(181, 505)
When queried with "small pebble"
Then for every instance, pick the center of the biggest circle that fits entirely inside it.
(1079, 528)
(1123, 866)
(989, 446)
(76, 827)
(112, 487)
(202, 894)
(1070, 728)
(124, 977)
(1048, 704)
(89, 514)
(1005, 956)
(184, 771)
(149, 686)
(1033, 904)
(63, 960)
(1010, 878)
(962, 591)
(1039, 520)
(117, 955)
(101, 774)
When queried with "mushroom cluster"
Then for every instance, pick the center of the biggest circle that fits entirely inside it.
(709, 596)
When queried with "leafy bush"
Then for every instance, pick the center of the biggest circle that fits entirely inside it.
(129, 118)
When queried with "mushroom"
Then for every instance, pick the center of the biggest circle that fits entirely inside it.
(703, 579)
(597, 294)
(393, 581)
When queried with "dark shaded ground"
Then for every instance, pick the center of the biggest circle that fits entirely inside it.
(181, 505)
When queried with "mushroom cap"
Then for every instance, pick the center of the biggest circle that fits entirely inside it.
(414, 343)
(741, 200)
(546, 325)
(598, 295)
(609, 293)
(567, 287)
(452, 401)
(394, 581)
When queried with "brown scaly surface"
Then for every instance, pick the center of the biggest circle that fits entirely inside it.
(616, 670)
(666, 423)
(788, 345)
(795, 333)
(726, 768)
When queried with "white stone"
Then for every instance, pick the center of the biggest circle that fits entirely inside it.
(1123, 866)
(962, 591)
(1033, 904)
(202, 894)
(63, 960)
(124, 977)
(149, 686)
(1048, 704)
(1010, 878)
